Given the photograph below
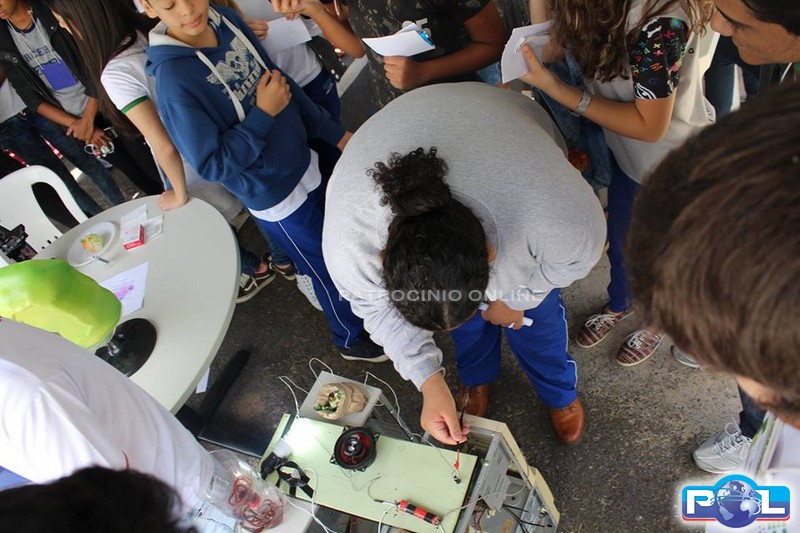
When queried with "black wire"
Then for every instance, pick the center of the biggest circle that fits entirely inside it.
(513, 507)
(517, 519)
(521, 522)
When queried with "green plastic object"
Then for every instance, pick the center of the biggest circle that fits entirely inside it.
(53, 296)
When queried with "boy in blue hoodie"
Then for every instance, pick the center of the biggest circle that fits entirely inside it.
(237, 120)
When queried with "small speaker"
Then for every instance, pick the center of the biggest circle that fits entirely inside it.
(355, 449)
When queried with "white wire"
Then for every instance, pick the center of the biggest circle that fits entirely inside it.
(507, 494)
(285, 380)
(405, 427)
(216, 522)
(388, 508)
(456, 473)
(312, 513)
(396, 402)
(295, 384)
(320, 361)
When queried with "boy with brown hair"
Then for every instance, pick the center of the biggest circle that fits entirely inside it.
(717, 265)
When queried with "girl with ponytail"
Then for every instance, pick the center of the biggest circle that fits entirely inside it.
(423, 251)
(436, 238)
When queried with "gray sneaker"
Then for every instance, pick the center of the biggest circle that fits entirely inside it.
(683, 357)
(723, 452)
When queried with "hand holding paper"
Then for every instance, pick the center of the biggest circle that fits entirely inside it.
(403, 72)
(513, 64)
(284, 34)
(407, 42)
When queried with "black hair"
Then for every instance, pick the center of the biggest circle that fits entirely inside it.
(783, 12)
(435, 263)
(93, 500)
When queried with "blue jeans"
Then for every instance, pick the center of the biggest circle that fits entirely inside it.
(581, 134)
(24, 135)
(322, 91)
(300, 234)
(621, 196)
(540, 348)
(751, 417)
(248, 261)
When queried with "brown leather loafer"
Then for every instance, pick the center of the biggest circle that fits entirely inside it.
(568, 422)
(474, 400)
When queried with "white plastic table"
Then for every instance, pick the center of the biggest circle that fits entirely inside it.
(192, 283)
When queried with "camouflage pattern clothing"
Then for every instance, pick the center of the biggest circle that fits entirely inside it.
(445, 26)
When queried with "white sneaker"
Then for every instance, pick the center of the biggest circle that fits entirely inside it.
(306, 287)
(723, 452)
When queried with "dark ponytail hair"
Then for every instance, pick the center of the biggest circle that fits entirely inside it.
(435, 264)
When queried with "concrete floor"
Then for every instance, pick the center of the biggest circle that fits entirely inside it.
(643, 422)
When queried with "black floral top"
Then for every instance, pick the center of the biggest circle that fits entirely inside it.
(657, 56)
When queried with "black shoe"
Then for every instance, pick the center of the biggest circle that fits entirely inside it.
(287, 271)
(250, 285)
(363, 349)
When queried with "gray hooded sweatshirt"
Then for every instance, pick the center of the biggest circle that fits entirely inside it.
(507, 163)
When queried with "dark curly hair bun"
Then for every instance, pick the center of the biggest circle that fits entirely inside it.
(413, 184)
(435, 263)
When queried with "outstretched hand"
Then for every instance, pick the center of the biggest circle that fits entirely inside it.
(439, 417)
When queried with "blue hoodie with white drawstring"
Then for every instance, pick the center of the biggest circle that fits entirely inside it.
(206, 99)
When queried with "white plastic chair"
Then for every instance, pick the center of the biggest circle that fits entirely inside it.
(18, 205)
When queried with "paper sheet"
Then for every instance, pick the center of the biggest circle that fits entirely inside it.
(202, 386)
(137, 217)
(129, 287)
(513, 64)
(153, 227)
(130, 225)
(284, 33)
(407, 42)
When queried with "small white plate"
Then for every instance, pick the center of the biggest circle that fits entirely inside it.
(79, 256)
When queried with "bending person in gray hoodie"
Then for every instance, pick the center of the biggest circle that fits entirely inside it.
(453, 196)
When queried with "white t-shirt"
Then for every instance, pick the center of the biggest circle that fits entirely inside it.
(62, 409)
(299, 62)
(127, 84)
(124, 77)
(691, 112)
(10, 102)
